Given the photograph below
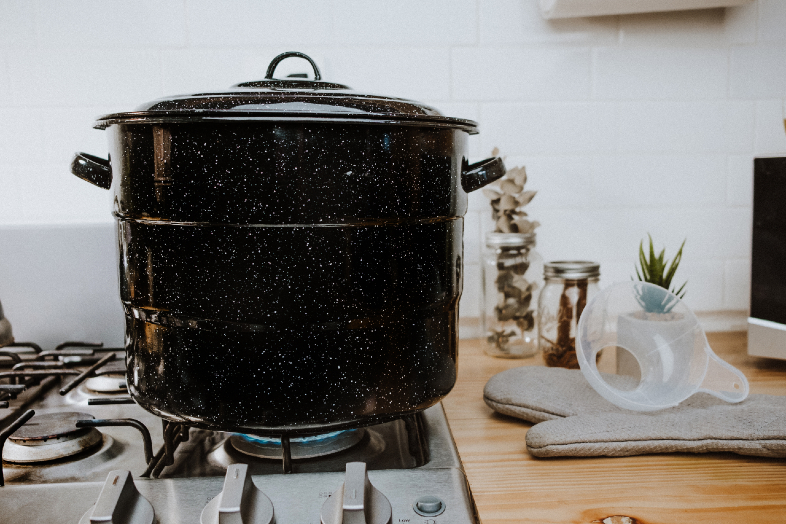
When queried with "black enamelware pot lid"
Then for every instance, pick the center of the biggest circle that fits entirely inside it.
(290, 99)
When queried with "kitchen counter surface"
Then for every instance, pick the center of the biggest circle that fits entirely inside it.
(510, 486)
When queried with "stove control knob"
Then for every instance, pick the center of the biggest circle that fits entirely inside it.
(240, 502)
(119, 503)
(429, 506)
(357, 501)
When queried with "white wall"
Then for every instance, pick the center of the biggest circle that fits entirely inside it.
(627, 125)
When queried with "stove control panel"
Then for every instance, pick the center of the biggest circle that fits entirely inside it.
(358, 496)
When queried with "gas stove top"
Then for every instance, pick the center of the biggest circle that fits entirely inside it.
(76, 449)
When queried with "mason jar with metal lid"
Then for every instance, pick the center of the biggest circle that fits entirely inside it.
(512, 280)
(570, 284)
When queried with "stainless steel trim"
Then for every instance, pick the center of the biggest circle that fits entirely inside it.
(766, 338)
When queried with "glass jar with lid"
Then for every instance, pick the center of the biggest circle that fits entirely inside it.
(569, 285)
(512, 279)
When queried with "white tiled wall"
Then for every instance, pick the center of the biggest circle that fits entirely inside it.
(627, 125)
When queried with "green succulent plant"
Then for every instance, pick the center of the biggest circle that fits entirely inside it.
(657, 270)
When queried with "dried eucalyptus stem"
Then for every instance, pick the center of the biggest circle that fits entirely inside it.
(508, 198)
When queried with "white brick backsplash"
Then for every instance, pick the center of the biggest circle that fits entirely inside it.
(655, 73)
(549, 128)
(13, 193)
(118, 78)
(561, 182)
(244, 23)
(69, 130)
(405, 22)
(20, 137)
(475, 145)
(477, 202)
(740, 23)
(670, 180)
(592, 236)
(686, 127)
(770, 131)
(613, 234)
(758, 71)
(699, 28)
(469, 306)
(5, 80)
(737, 288)
(208, 69)
(473, 238)
(468, 110)
(101, 24)
(36, 149)
(705, 283)
(50, 194)
(772, 21)
(711, 232)
(17, 23)
(62, 283)
(419, 74)
(494, 73)
(572, 234)
(520, 22)
(739, 185)
(617, 271)
(196, 70)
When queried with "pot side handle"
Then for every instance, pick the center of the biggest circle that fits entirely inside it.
(96, 170)
(477, 175)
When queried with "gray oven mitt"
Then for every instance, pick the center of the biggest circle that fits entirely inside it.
(575, 421)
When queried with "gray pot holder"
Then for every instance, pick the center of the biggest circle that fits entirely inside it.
(572, 420)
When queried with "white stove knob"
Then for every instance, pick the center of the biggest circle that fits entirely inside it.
(357, 501)
(119, 503)
(240, 502)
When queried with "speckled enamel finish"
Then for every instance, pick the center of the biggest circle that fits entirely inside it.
(287, 276)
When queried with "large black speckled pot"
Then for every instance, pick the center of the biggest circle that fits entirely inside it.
(290, 253)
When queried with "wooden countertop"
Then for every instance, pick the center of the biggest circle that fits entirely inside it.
(511, 486)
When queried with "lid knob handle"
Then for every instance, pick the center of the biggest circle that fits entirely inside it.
(277, 60)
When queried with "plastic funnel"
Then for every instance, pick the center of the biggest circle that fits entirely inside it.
(664, 337)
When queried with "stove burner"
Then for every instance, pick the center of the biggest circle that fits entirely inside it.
(301, 447)
(50, 436)
(106, 384)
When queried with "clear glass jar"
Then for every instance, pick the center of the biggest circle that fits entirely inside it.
(569, 286)
(512, 280)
